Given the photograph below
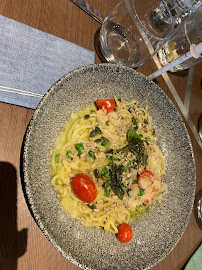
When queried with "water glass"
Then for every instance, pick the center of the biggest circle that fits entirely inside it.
(189, 33)
(131, 38)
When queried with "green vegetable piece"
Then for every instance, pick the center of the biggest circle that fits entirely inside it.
(148, 139)
(106, 193)
(98, 130)
(136, 145)
(79, 153)
(98, 141)
(93, 133)
(57, 158)
(135, 120)
(115, 181)
(141, 192)
(67, 154)
(92, 206)
(120, 169)
(91, 154)
(106, 185)
(104, 171)
(105, 178)
(105, 143)
(132, 133)
(127, 166)
(86, 116)
(123, 187)
(79, 147)
(118, 191)
(97, 173)
(112, 158)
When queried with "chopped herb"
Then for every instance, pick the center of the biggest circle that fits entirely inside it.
(106, 193)
(57, 158)
(91, 154)
(105, 143)
(135, 121)
(115, 181)
(104, 171)
(147, 139)
(136, 146)
(127, 166)
(141, 192)
(112, 157)
(67, 154)
(79, 153)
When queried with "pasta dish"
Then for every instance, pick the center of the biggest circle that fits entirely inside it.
(106, 165)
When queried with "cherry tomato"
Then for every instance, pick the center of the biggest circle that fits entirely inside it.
(107, 104)
(125, 233)
(145, 179)
(84, 188)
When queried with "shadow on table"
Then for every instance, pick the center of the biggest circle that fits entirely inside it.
(13, 243)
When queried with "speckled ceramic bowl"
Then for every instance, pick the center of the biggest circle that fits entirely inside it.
(157, 233)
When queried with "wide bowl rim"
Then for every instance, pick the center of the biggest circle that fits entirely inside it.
(25, 178)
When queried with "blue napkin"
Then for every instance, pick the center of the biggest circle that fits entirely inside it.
(195, 262)
(32, 60)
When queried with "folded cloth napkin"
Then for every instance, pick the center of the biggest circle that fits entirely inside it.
(32, 60)
(195, 262)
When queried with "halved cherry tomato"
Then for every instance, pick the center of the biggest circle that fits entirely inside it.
(84, 188)
(125, 233)
(107, 104)
(145, 179)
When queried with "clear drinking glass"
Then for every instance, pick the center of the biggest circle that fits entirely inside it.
(131, 40)
(189, 33)
(135, 29)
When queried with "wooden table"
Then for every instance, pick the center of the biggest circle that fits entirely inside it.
(22, 244)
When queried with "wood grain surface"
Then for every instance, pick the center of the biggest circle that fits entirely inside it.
(22, 244)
